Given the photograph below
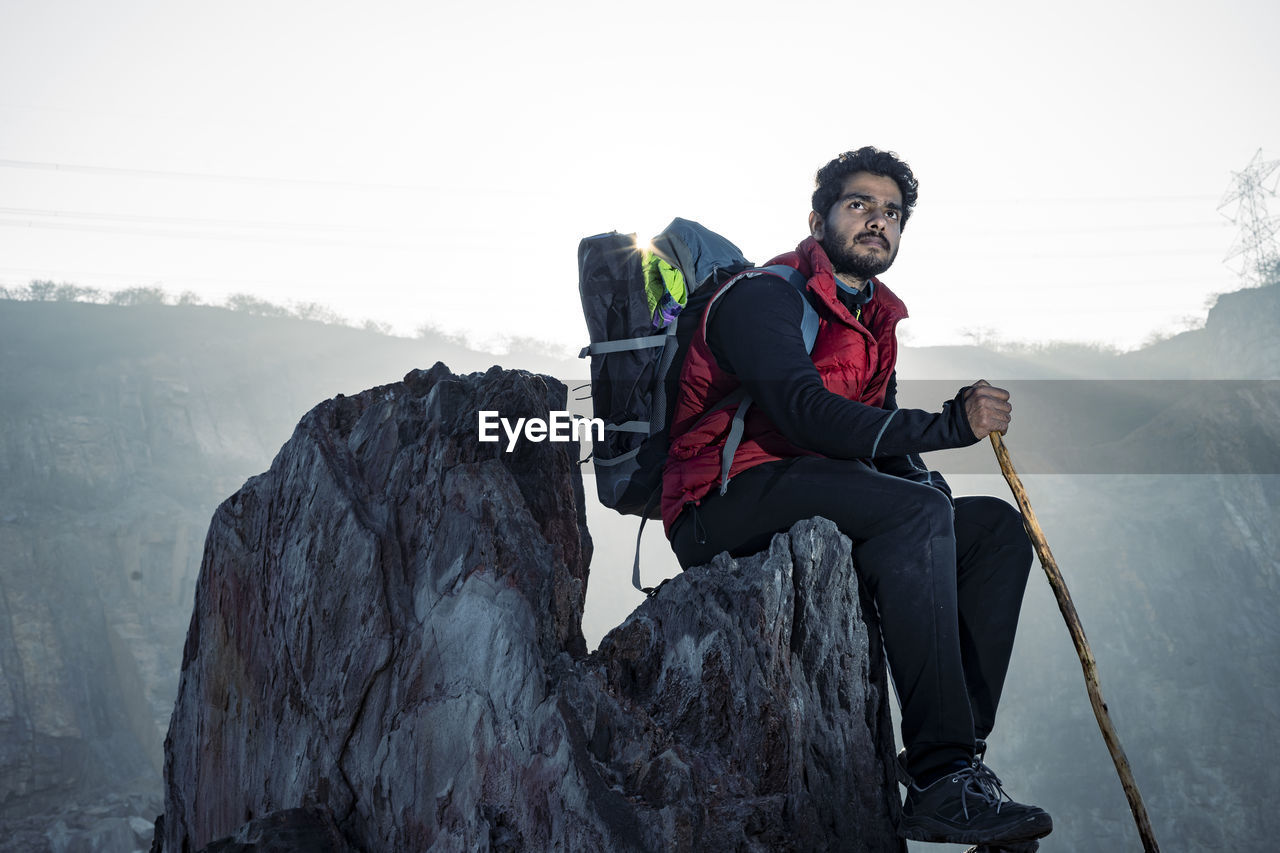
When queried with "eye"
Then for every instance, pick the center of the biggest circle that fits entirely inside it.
(891, 214)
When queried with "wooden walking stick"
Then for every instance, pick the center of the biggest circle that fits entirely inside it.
(1068, 609)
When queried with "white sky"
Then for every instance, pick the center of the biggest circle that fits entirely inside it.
(437, 163)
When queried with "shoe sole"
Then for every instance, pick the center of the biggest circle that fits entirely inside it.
(1026, 830)
(1009, 847)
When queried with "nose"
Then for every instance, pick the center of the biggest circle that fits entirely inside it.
(876, 220)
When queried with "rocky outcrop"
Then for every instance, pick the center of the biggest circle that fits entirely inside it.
(121, 430)
(386, 640)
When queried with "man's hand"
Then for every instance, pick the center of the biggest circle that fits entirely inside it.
(987, 408)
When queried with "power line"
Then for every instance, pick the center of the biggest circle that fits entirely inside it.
(1058, 200)
(210, 235)
(160, 278)
(1060, 252)
(427, 246)
(235, 179)
(179, 220)
(1104, 229)
(64, 274)
(509, 190)
(162, 222)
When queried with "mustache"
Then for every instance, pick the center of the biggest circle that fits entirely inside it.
(873, 236)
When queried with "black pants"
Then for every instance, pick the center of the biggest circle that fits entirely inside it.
(947, 583)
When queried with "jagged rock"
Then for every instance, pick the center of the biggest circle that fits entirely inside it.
(387, 632)
(763, 677)
(121, 430)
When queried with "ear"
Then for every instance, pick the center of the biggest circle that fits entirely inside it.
(816, 226)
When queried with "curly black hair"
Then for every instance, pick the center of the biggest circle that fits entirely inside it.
(830, 178)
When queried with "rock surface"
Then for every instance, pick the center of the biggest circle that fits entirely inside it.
(387, 636)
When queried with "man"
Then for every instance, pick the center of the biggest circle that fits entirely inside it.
(824, 437)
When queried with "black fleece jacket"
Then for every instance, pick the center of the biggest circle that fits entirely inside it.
(754, 333)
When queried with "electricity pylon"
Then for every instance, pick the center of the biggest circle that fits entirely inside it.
(1255, 244)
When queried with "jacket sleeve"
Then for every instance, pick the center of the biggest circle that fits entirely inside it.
(908, 466)
(754, 333)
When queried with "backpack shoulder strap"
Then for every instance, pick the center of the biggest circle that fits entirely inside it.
(797, 279)
(808, 329)
(793, 277)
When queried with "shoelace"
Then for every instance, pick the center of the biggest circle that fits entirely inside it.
(982, 782)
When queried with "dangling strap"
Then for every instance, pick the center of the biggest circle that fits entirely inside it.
(732, 442)
(635, 567)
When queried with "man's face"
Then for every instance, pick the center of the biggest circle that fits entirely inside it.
(860, 232)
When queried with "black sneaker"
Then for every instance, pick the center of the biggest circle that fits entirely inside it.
(969, 806)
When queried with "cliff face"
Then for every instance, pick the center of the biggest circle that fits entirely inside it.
(386, 642)
(1238, 341)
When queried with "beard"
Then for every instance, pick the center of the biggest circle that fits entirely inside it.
(863, 266)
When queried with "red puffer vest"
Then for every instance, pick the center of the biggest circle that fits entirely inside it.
(854, 359)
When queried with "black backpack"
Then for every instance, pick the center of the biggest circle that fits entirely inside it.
(637, 350)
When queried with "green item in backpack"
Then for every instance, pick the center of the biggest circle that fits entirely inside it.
(663, 289)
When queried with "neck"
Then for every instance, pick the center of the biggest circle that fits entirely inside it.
(851, 281)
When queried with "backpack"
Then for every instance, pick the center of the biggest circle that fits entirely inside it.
(642, 308)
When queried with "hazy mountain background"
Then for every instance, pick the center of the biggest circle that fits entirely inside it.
(122, 427)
